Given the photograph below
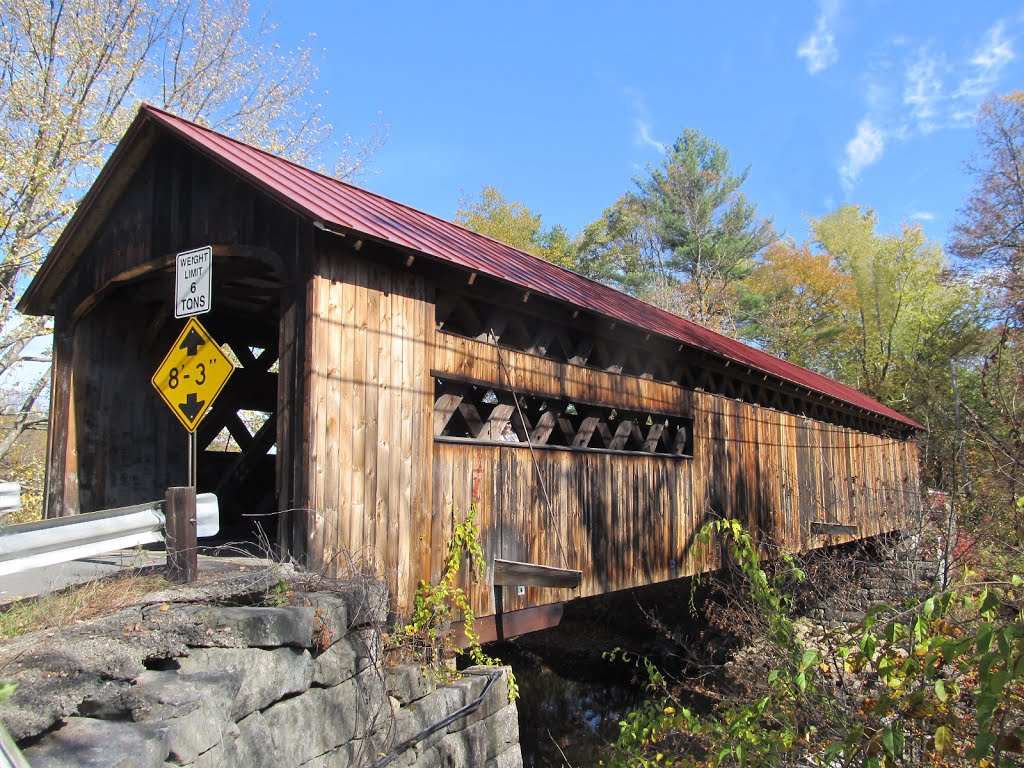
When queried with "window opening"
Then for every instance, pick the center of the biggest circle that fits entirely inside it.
(488, 414)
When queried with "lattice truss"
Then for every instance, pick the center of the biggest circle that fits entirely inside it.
(546, 338)
(475, 412)
(642, 356)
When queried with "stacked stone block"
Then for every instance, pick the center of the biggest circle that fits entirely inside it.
(204, 685)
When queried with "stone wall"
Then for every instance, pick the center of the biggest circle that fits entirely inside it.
(190, 679)
(844, 581)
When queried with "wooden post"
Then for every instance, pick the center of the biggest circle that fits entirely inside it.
(180, 534)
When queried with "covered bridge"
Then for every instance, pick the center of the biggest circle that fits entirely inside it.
(395, 368)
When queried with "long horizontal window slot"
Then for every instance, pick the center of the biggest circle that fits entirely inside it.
(486, 414)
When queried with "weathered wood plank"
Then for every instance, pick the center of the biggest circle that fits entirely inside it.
(512, 573)
(833, 529)
(361, 384)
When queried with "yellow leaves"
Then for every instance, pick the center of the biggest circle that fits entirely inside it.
(944, 740)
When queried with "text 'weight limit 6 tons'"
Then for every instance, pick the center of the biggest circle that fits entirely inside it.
(193, 282)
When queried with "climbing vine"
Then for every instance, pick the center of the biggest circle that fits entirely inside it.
(429, 629)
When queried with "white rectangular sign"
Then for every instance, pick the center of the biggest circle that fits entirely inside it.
(193, 281)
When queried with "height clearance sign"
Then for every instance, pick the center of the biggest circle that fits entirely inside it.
(192, 374)
(193, 281)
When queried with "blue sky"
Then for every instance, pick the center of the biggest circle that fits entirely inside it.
(560, 105)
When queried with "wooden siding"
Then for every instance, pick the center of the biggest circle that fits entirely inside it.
(113, 443)
(626, 521)
(370, 419)
(384, 490)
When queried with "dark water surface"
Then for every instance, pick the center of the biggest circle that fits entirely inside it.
(572, 698)
(568, 720)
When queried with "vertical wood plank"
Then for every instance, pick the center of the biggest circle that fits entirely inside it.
(321, 427)
(361, 384)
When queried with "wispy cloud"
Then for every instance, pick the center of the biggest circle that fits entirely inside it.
(922, 90)
(863, 150)
(819, 48)
(913, 89)
(987, 65)
(922, 216)
(643, 133)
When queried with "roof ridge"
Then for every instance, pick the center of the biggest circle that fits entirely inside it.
(369, 213)
(164, 113)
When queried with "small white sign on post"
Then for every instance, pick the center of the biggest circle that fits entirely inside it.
(193, 281)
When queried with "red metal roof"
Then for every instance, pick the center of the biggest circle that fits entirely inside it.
(342, 205)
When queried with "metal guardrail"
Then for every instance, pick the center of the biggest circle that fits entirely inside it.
(47, 542)
(10, 498)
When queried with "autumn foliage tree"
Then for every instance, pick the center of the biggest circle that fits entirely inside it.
(990, 232)
(989, 236)
(799, 306)
(881, 312)
(71, 75)
(512, 223)
(910, 315)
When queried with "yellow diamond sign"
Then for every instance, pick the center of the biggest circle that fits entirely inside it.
(192, 374)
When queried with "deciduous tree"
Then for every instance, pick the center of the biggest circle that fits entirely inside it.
(911, 315)
(990, 237)
(801, 305)
(991, 226)
(512, 223)
(622, 248)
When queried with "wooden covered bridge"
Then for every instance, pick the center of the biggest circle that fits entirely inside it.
(395, 368)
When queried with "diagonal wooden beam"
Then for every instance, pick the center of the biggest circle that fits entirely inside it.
(582, 352)
(443, 308)
(586, 431)
(466, 313)
(567, 428)
(622, 433)
(237, 429)
(472, 418)
(541, 342)
(679, 444)
(496, 421)
(497, 322)
(654, 436)
(444, 408)
(545, 424)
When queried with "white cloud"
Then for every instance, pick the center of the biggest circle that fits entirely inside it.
(864, 149)
(643, 135)
(922, 216)
(922, 91)
(820, 46)
(913, 88)
(987, 64)
(642, 132)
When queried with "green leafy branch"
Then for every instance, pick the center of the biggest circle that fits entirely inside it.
(939, 681)
(436, 606)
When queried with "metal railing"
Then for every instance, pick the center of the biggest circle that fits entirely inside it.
(10, 498)
(47, 542)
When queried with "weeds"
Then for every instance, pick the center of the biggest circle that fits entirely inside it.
(429, 630)
(938, 681)
(77, 603)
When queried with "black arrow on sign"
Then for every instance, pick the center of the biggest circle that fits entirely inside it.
(192, 407)
(193, 341)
